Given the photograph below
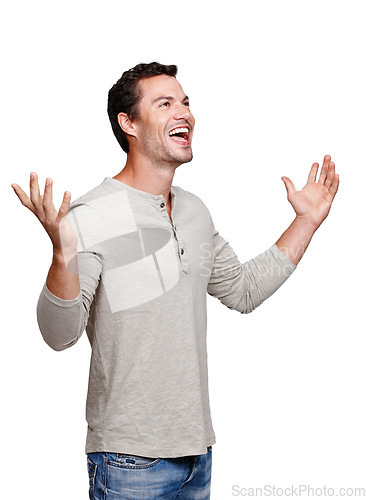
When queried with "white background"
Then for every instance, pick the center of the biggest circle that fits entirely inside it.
(274, 86)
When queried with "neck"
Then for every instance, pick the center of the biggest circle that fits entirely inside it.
(147, 177)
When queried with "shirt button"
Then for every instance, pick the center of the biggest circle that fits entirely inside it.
(182, 251)
(162, 205)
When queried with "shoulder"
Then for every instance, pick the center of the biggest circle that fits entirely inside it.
(92, 196)
(193, 206)
(190, 198)
(85, 216)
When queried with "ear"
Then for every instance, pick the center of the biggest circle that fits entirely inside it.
(126, 125)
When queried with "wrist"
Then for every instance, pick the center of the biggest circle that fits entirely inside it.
(62, 257)
(306, 223)
(295, 240)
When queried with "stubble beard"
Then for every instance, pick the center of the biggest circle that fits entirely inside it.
(161, 154)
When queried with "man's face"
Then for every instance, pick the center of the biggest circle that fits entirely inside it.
(164, 127)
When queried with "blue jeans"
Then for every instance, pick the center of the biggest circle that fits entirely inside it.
(115, 476)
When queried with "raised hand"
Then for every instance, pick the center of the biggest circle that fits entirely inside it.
(312, 203)
(63, 236)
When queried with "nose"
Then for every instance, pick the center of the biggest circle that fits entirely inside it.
(182, 112)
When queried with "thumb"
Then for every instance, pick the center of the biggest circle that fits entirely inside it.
(289, 186)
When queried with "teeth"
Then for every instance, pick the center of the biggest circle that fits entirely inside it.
(182, 130)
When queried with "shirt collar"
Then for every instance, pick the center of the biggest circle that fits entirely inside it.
(156, 198)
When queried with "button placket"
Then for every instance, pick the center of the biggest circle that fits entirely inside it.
(180, 242)
(182, 253)
(163, 209)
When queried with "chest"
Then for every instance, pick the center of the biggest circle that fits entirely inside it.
(149, 262)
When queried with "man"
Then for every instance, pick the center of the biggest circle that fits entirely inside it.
(132, 262)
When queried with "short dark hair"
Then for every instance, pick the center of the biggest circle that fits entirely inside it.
(125, 95)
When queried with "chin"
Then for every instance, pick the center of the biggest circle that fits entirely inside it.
(178, 159)
(187, 158)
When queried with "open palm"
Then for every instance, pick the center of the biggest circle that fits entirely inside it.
(54, 221)
(314, 200)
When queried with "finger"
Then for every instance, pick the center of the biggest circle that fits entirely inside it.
(23, 197)
(47, 198)
(65, 205)
(324, 170)
(330, 175)
(334, 187)
(35, 195)
(289, 186)
(313, 172)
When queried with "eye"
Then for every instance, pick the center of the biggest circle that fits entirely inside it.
(186, 103)
(164, 104)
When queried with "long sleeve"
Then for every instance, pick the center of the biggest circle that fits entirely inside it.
(61, 321)
(244, 286)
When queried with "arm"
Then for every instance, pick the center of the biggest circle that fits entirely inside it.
(64, 302)
(312, 205)
(244, 286)
(62, 321)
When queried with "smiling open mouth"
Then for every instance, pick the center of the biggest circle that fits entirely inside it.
(180, 134)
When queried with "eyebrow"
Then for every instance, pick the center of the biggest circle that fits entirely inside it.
(168, 98)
